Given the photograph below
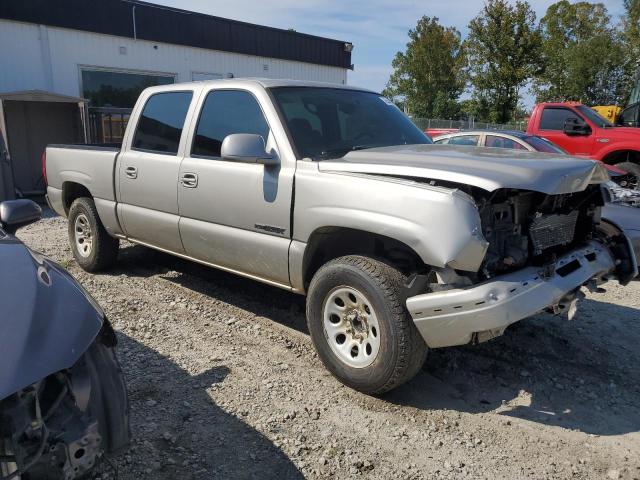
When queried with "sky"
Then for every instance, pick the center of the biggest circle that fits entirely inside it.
(377, 28)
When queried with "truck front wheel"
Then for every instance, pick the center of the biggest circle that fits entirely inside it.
(93, 248)
(360, 325)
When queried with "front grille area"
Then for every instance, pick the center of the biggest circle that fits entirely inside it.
(552, 230)
(529, 228)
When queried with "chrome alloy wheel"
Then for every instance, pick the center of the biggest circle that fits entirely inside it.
(351, 327)
(83, 235)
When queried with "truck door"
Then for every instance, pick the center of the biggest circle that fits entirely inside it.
(552, 123)
(237, 216)
(147, 170)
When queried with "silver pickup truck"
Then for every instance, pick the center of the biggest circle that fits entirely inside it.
(332, 192)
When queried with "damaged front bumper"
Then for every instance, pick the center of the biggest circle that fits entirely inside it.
(455, 317)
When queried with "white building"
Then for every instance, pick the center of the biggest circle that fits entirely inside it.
(99, 55)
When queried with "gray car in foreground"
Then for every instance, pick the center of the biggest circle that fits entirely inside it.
(330, 191)
(63, 401)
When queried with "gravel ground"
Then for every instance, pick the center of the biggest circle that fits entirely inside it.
(224, 383)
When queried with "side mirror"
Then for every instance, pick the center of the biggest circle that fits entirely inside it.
(247, 148)
(15, 214)
(576, 126)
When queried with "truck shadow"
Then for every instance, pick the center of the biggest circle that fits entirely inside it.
(262, 300)
(179, 432)
(580, 375)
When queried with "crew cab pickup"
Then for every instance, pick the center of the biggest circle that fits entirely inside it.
(583, 132)
(332, 192)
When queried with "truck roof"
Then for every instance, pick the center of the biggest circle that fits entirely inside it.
(268, 83)
(558, 104)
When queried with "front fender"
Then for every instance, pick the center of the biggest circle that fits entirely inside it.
(47, 320)
(441, 225)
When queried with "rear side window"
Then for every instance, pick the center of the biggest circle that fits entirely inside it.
(502, 142)
(226, 112)
(470, 140)
(161, 122)
(554, 118)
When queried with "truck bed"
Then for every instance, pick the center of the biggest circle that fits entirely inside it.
(88, 146)
(89, 166)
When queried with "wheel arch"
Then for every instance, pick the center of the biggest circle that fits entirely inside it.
(72, 191)
(328, 243)
(619, 155)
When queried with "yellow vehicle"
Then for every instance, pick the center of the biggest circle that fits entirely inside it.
(610, 112)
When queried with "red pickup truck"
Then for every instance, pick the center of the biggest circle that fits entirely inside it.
(583, 133)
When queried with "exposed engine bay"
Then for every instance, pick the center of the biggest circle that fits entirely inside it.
(47, 430)
(60, 427)
(530, 228)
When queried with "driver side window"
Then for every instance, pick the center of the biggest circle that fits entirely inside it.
(226, 112)
(553, 118)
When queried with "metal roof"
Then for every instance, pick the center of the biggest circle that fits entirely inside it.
(39, 96)
(146, 21)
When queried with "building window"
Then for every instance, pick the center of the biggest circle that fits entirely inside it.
(107, 88)
(112, 94)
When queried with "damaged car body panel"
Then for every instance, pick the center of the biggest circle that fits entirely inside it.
(538, 222)
(41, 333)
(454, 317)
(63, 401)
(344, 200)
(488, 169)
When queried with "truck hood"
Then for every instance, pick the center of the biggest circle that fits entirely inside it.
(621, 133)
(487, 168)
(47, 320)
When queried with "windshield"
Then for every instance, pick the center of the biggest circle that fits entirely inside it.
(327, 123)
(594, 117)
(543, 145)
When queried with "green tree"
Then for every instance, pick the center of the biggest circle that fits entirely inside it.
(503, 52)
(426, 77)
(631, 39)
(583, 56)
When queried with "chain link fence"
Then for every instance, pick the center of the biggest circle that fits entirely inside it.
(428, 123)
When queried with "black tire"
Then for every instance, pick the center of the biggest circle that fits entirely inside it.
(632, 179)
(103, 252)
(108, 402)
(402, 351)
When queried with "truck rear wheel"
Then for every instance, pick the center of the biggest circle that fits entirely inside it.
(93, 248)
(360, 326)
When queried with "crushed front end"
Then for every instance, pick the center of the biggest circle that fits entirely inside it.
(542, 250)
(61, 426)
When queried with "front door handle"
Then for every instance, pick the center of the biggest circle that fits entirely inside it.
(131, 172)
(189, 180)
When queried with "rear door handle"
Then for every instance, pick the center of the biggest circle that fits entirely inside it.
(131, 172)
(189, 180)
